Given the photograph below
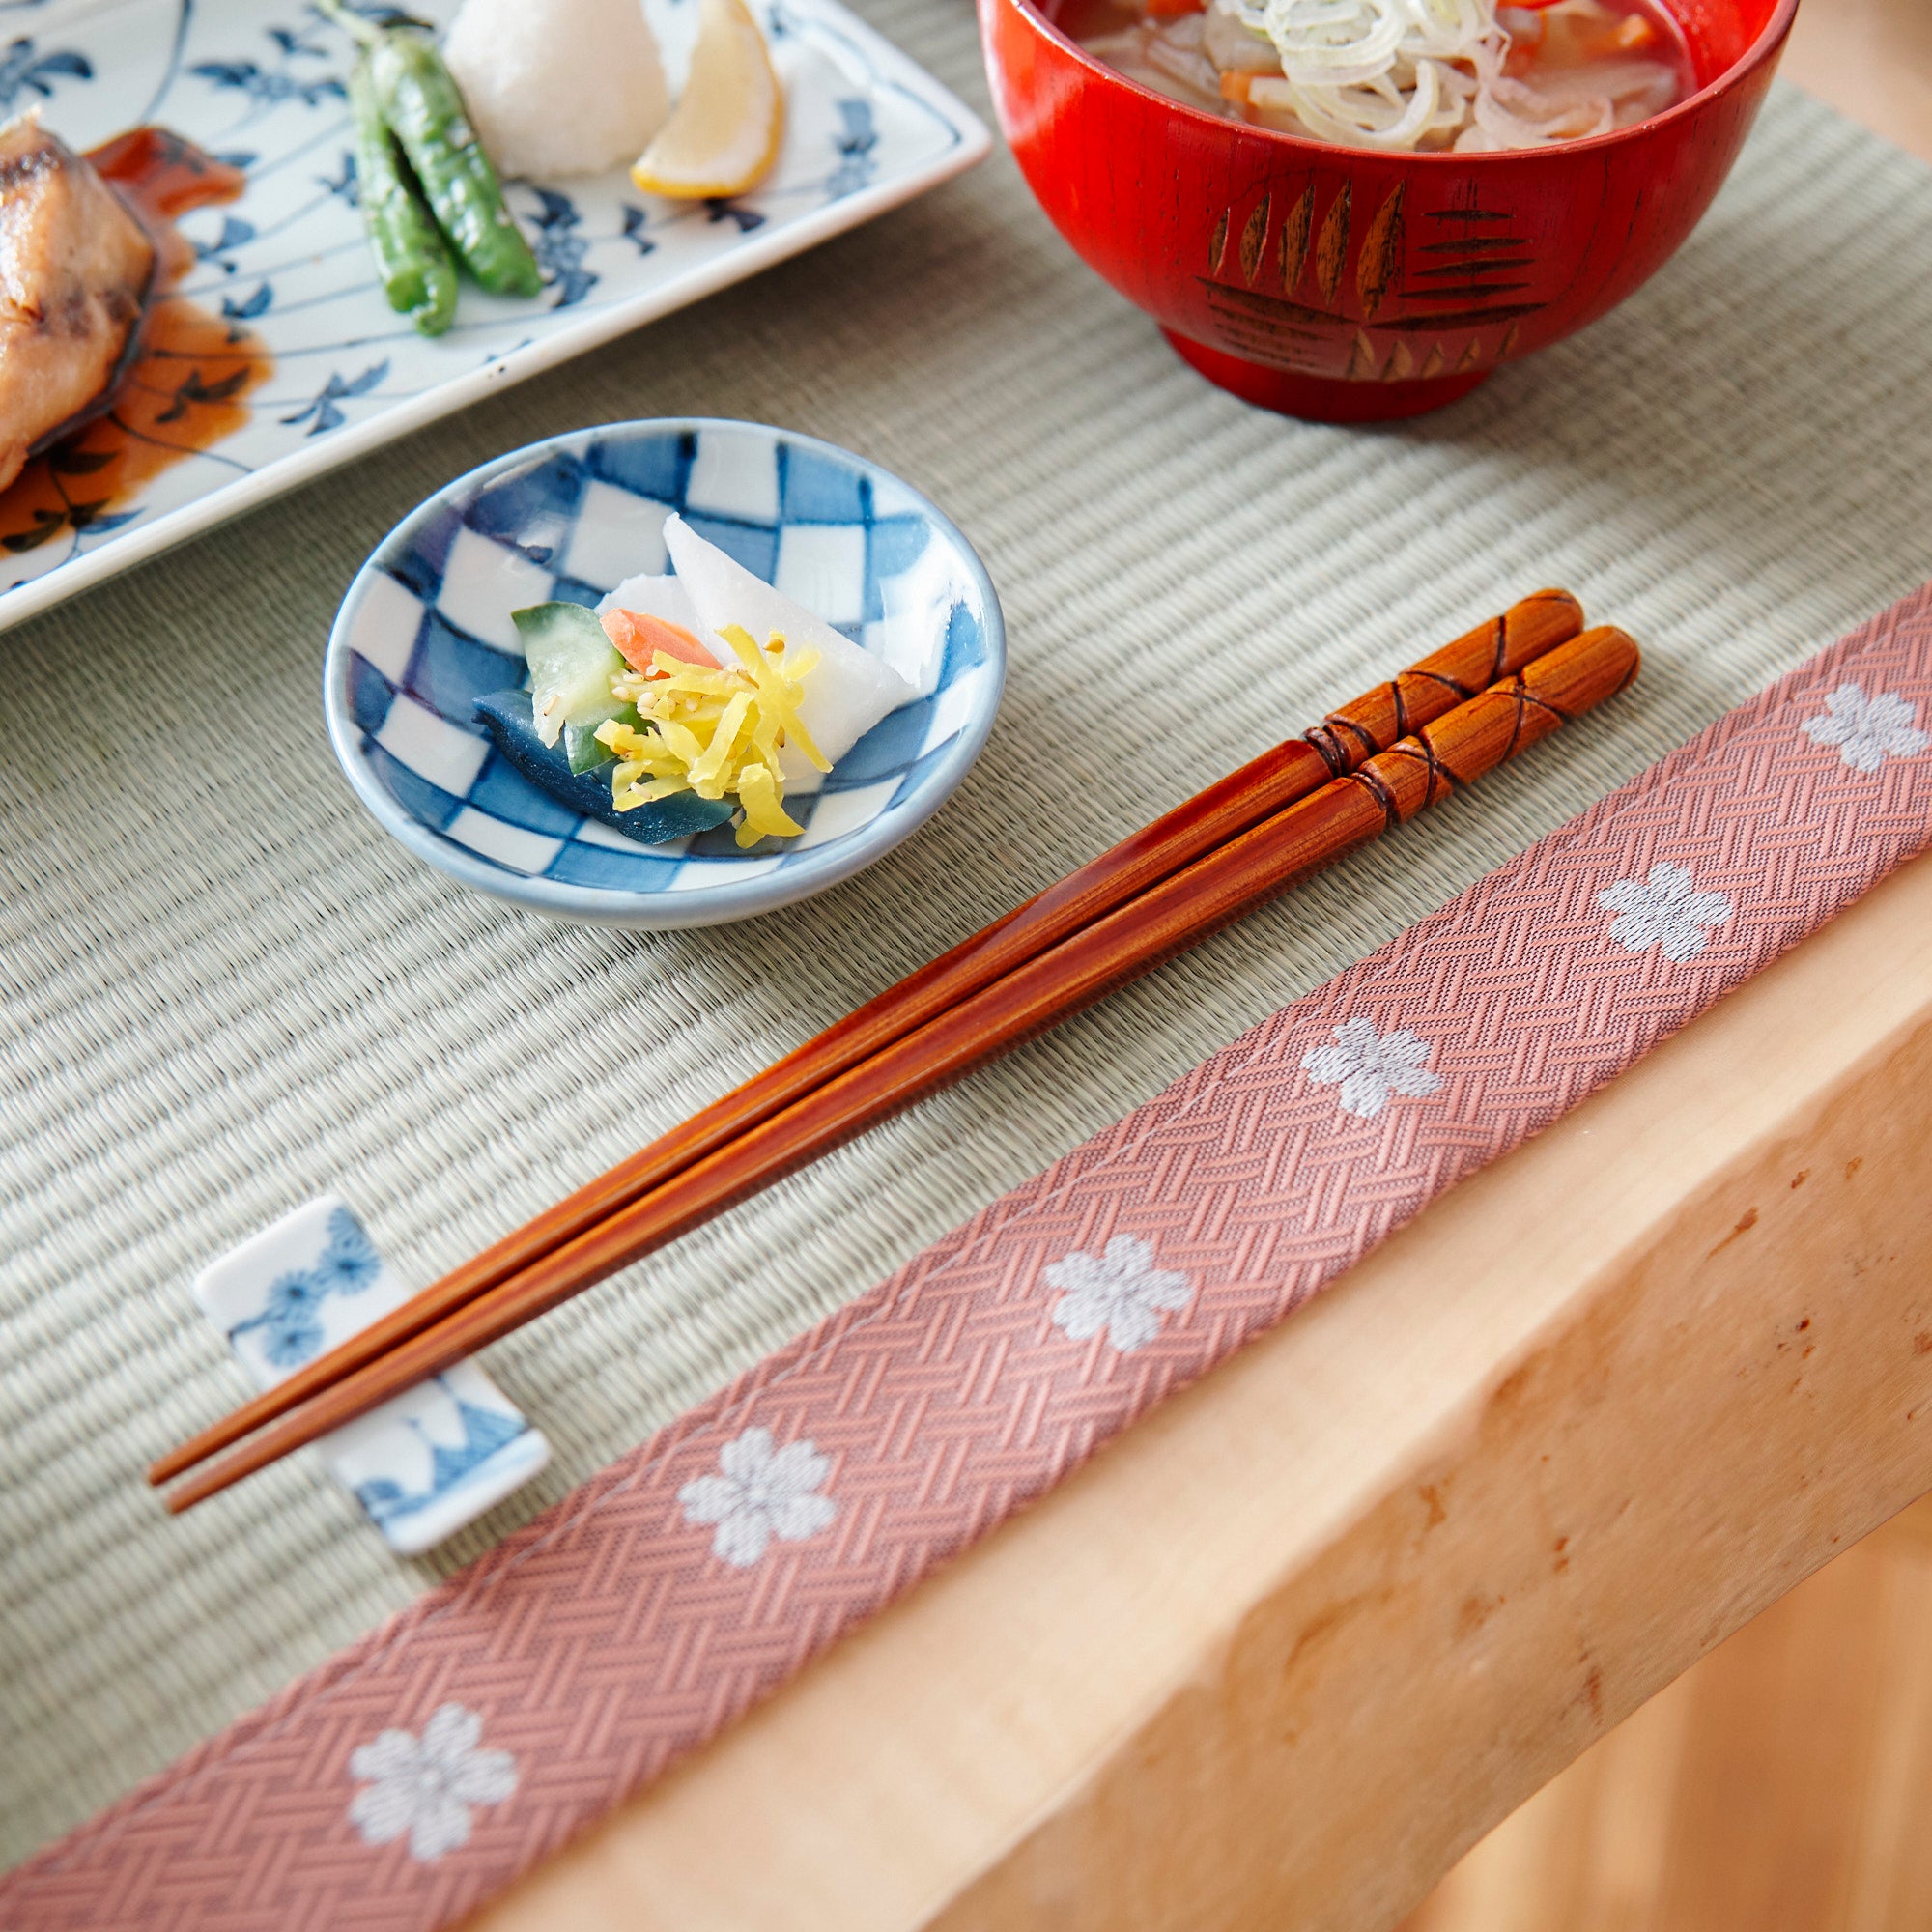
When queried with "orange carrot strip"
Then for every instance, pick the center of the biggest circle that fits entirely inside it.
(637, 638)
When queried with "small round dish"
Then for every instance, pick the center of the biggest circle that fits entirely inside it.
(425, 630)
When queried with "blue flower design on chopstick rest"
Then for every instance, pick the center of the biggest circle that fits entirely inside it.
(290, 1324)
(423, 1465)
(289, 1332)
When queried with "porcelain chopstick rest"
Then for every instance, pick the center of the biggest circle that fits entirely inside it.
(422, 1466)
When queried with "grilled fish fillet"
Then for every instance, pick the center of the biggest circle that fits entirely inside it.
(74, 269)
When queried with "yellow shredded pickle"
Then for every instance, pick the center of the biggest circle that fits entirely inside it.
(715, 732)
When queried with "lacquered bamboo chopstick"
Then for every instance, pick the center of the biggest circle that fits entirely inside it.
(1281, 774)
(1163, 920)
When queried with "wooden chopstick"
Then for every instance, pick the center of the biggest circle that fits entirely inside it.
(1165, 919)
(1280, 776)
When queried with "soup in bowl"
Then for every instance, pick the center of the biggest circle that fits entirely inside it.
(1355, 210)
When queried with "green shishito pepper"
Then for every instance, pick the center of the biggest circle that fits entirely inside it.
(417, 270)
(425, 112)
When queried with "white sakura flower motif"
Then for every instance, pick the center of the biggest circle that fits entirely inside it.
(1370, 1066)
(760, 1492)
(1120, 1292)
(1867, 730)
(425, 1786)
(1664, 910)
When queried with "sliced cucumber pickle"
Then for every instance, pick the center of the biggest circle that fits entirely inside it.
(572, 663)
(506, 717)
(581, 744)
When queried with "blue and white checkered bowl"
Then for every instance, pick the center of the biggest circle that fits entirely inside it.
(425, 630)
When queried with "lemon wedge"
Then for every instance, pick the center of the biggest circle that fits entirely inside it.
(724, 134)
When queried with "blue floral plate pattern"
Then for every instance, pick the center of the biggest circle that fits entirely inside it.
(260, 84)
(425, 632)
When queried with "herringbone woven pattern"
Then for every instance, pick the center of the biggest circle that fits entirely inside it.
(615, 1632)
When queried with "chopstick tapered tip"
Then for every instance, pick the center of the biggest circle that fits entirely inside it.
(183, 1456)
(205, 1482)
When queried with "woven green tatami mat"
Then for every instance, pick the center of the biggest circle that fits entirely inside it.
(223, 990)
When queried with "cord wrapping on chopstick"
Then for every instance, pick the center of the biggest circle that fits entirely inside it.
(1500, 663)
(1377, 787)
(1324, 739)
(1439, 780)
(1524, 699)
(1339, 722)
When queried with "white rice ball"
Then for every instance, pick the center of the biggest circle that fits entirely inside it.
(559, 87)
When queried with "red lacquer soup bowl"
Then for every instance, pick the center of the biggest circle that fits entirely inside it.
(1347, 285)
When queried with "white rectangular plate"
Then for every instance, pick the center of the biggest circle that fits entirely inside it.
(259, 82)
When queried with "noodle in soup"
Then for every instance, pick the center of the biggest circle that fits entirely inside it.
(1415, 76)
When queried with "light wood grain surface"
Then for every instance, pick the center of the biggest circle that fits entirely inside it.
(1784, 1782)
(1781, 1785)
(1395, 1548)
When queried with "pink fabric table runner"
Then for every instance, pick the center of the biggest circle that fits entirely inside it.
(422, 1769)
